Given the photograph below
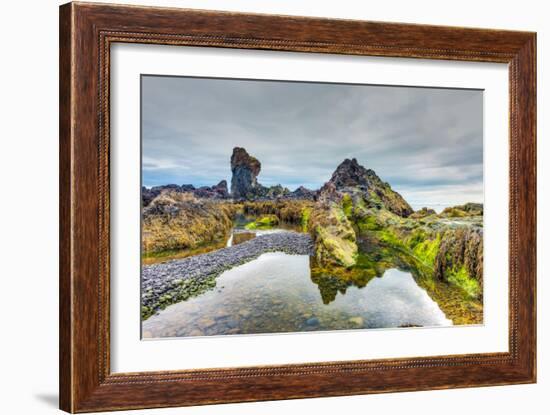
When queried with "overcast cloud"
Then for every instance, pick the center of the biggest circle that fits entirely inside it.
(427, 143)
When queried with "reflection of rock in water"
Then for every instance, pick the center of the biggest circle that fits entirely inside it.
(329, 286)
(240, 237)
(274, 293)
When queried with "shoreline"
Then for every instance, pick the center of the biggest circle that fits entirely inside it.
(169, 282)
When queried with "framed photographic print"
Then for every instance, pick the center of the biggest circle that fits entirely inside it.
(261, 207)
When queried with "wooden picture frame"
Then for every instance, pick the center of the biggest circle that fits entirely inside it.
(86, 33)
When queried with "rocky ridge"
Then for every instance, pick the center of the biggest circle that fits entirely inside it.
(355, 180)
(218, 191)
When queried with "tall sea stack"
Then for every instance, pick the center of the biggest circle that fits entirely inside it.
(245, 169)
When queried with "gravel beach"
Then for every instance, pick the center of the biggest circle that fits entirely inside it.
(169, 282)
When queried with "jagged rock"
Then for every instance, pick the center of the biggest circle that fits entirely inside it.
(350, 174)
(302, 193)
(221, 187)
(147, 195)
(245, 169)
(350, 177)
(422, 213)
(276, 191)
(218, 191)
(329, 193)
(187, 187)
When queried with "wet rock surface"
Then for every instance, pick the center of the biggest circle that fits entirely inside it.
(169, 282)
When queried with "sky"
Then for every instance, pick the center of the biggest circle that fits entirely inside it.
(426, 142)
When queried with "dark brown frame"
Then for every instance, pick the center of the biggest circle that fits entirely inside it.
(86, 33)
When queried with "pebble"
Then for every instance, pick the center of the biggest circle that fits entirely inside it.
(356, 320)
(313, 321)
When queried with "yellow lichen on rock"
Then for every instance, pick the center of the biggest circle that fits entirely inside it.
(182, 221)
(334, 237)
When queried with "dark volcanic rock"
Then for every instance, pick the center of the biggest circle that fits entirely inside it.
(187, 187)
(277, 191)
(302, 193)
(221, 187)
(218, 191)
(351, 177)
(329, 193)
(147, 195)
(245, 169)
(351, 174)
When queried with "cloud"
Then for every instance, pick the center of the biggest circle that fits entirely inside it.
(426, 142)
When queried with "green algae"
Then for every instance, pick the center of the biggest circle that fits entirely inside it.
(460, 277)
(306, 213)
(265, 222)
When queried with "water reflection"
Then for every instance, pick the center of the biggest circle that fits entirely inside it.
(277, 293)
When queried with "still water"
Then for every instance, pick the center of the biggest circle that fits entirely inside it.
(275, 293)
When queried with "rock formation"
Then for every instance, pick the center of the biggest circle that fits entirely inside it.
(422, 213)
(218, 191)
(350, 177)
(468, 209)
(462, 247)
(245, 170)
(179, 220)
(302, 193)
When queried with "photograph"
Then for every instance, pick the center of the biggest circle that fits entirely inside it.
(275, 206)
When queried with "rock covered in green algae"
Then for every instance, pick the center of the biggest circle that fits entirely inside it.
(460, 259)
(422, 213)
(333, 234)
(265, 222)
(342, 202)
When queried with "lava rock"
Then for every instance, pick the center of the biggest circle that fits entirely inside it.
(245, 170)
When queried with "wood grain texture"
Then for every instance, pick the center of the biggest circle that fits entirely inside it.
(86, 33)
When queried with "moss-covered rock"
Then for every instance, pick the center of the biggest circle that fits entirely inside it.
(264, 222)
(468, 209)
(422, 213)
(460, 259)
(176, 220)
(333, 234)
(289, 211)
